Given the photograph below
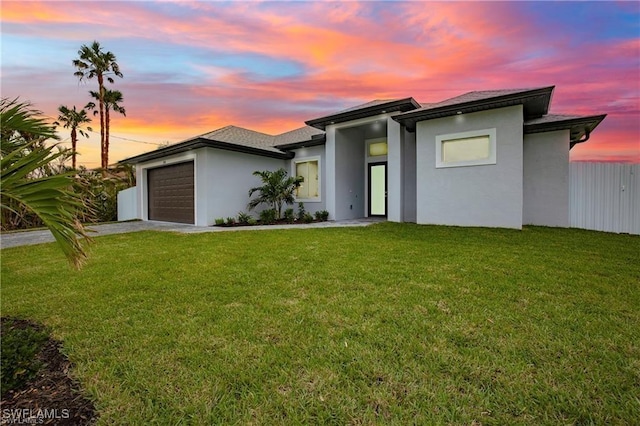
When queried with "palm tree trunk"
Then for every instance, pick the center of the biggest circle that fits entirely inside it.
(74, 139)
(102, 144)
(107, 122)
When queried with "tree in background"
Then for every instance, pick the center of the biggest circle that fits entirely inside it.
(92, 63)
(73, 119)
(111, 100)
(277, 189)
(49, 197)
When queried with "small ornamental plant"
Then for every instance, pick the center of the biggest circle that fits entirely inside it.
(322, 215)
(268, 216)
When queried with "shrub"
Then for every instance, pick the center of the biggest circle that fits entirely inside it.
(252, 221)
(277, 189)
(244, 218)
(219, 221)
(231, 220)
(19, 348)
(100, 194)
(322, 215)
(301, 211)
(268, 216)
(289, 216)
(307, 218)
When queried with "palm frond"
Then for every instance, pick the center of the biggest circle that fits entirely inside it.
(50, 197)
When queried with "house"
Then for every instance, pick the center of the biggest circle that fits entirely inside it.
(487, 158)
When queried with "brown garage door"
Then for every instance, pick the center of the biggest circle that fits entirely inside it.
(171, 195)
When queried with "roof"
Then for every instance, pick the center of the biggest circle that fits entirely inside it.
(580, 127)
(307, 136)
(380, 106)
(370, 104)
(233, 138)
(243, 137)
(535, 102)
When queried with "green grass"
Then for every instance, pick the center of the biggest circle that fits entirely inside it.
(389, 324)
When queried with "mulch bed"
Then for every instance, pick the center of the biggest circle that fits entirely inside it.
(52, 397)
(258, 223)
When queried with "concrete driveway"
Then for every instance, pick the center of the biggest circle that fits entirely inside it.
(26, 238)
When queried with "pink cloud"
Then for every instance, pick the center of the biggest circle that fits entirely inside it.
(355, 53)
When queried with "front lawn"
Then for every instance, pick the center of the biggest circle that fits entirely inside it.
(388, 324)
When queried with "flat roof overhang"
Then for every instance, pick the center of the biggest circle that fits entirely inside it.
(315, 140)
(580, 128)
(535, 103)
(402, 105)
(203, 143)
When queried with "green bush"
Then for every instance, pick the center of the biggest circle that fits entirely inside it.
(252, 221)
(322, 215)
(301, 211)
(100, 194)
(231, 220)
(244, 218)
(289, 215)
(18, 351)
(219, 221)
(307, 218)
(268, 216)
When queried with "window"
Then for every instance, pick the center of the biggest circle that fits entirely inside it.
(466, 149)
(310, 171)
(378, 148)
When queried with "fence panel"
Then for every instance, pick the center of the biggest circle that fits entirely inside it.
(605, 197)
(127, 205)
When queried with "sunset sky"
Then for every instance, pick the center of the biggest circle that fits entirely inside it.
(192, 67)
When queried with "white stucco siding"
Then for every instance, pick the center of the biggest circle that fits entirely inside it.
(484, 195)
(228, 176)
(330, 171)
(546, 179)
(395, 169)
(313, 152)
(409, 177)
(349, 166)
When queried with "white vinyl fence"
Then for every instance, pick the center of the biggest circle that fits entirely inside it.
(605, 197)
(127, 205)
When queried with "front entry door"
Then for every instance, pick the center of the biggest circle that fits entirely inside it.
(377, 189)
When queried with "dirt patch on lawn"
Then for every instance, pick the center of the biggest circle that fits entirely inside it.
(52, 397)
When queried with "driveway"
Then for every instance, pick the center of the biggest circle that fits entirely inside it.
(26, 238)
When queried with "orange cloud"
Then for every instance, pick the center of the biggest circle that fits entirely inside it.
(356, 52)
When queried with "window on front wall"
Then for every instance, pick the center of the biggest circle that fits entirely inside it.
(377, 149)
(466, 149)
(310, 187)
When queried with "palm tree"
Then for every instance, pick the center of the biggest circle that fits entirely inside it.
(93, 62)
(111, 100)
(50, 197)
(277, 189)
(73, 119)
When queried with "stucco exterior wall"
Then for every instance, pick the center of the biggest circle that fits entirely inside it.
(409, 177)
(395, 171)
(312, 152)
(349, 174)
(222, 181)
(486, 195)
(546, 179)
(228, 176)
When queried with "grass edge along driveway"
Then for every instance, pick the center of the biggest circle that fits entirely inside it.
(393, 323)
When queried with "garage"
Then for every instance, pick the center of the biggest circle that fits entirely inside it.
(171, 193)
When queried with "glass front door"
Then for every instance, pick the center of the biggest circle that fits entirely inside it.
(377, 189)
